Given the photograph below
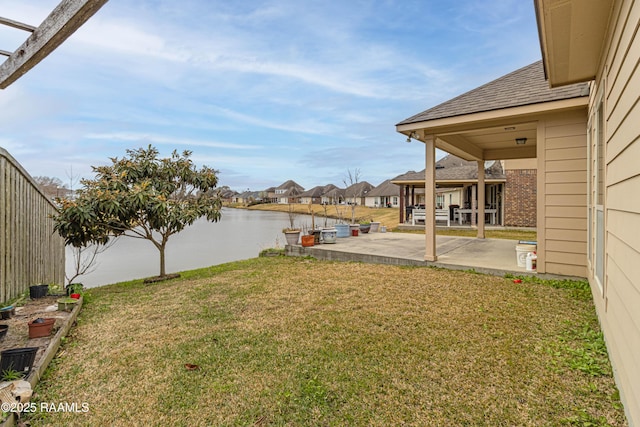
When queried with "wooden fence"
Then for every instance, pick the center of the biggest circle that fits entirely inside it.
(30, 251)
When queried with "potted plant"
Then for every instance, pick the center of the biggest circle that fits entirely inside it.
(75, 288)
(18, 359)
(291, 235)
(365, 226)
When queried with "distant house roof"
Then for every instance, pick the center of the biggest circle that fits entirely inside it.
(287, 185)
(522, 87)
(316, 191)
(386, 188)
(452, 168)
(359, 189)
(335, 193)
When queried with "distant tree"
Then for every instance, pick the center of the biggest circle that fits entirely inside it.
(51, 186)
(352, 189)
(140, 196)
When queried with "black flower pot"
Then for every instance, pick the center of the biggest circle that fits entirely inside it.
(18, 359)
(38, 291)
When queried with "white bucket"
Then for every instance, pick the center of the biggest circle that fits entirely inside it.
(521, 254)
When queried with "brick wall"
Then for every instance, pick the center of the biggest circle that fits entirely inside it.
(520, 198)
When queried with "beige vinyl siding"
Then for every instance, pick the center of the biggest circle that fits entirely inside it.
(563, 163)
(618, 306)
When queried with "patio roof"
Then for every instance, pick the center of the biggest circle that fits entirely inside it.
(484, 123)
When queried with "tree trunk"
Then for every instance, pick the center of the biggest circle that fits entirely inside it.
(163, 272)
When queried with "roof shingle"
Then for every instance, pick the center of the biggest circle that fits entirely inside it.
(525, 86)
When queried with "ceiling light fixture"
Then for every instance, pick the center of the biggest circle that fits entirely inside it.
(521, 141)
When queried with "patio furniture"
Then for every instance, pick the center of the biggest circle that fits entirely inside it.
(443, 215)
(463, 212)
(418, 214)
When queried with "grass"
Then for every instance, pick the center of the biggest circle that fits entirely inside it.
(386, 216)
(295, 341)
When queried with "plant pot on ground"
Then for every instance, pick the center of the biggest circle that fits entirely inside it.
(75, 288)
(38, 291)
(375, 226)
(365, 227)
(7, 312)
(18, 359)
(308, 240)
(342, 230)
(3, 331)
(292, 236)
(67, 304)
(40, 327)
(329, 235)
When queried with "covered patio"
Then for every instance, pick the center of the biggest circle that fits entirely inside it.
(517, 117)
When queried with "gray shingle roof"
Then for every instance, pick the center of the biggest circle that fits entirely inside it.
(525, 86)
(386, 188)
(452, 168)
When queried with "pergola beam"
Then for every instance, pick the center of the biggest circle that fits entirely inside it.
(65, 19)
(15, 24)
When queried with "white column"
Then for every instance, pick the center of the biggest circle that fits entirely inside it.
(430, 198)
(481, 199)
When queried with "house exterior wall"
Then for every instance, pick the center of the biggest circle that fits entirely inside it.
(616, 92)
(562, 189)
(381, 201)
(520, 199)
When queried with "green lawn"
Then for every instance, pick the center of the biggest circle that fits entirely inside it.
(294, 341)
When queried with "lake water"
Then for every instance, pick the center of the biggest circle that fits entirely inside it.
(240, 234)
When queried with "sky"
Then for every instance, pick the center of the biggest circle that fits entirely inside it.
(262, 91)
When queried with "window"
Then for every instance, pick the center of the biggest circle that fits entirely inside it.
(598, 201)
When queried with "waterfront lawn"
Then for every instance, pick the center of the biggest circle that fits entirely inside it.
(295, 341)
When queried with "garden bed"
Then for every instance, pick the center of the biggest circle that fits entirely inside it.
(18, 333)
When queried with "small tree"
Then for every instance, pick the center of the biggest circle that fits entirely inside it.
(350, 182)
(140, 196)
(84, 260)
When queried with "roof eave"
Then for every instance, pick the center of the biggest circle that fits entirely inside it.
(472, 120)
(571, 35)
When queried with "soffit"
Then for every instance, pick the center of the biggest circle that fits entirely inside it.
(572, 34)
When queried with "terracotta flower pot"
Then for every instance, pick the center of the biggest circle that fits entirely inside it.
(40, 327)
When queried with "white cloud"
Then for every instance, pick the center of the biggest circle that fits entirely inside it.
(148, 138)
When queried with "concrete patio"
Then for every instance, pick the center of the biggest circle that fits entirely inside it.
(490, 256)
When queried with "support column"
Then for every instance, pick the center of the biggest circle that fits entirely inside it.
(481, 199)
(401, 205)
(430, 198)
(474, 204)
